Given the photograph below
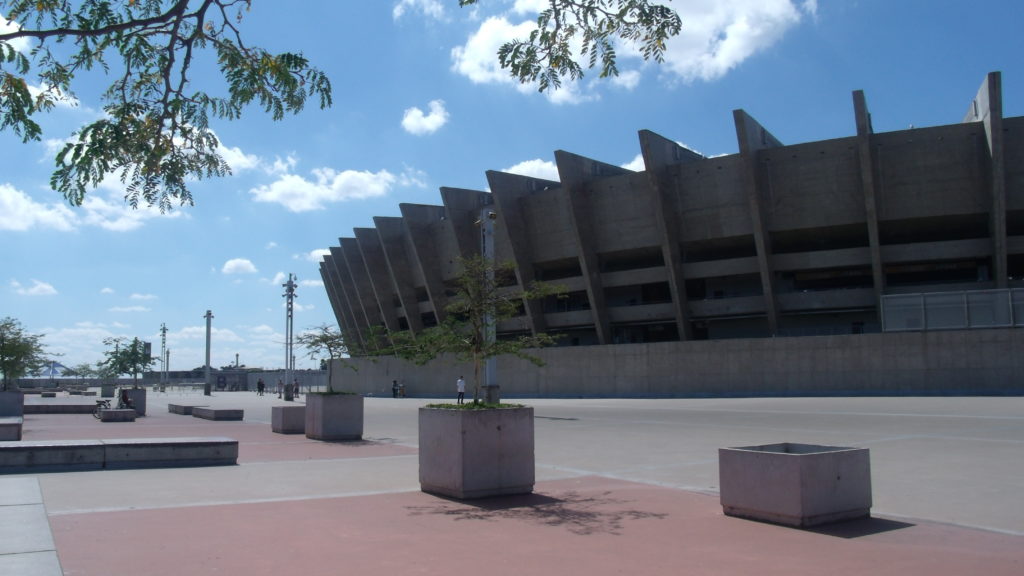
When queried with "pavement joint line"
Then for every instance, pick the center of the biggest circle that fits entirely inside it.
(327, 496)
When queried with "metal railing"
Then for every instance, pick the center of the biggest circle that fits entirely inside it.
(959, 310)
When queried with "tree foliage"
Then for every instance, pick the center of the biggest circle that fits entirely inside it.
(21, 353)
(126, 357)
(572, 30)
(155, 132)
(479, 303)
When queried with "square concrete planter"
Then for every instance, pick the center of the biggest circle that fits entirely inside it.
(334, 416)
(12, 403)
(138, 398)
(795, 484)
(288, 419)
(476, 453)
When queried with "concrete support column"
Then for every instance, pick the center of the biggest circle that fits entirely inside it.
(574, 172)
(752, 138)
(341, 314)
(392, 239)
(987, 108)
(421, 223)
(364, 293)
(869, 186)
(660, 154)
(348, 291)
(509, 192)
(378, 276)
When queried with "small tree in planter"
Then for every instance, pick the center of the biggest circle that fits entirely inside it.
(129, 357)
(476, 449)
(481, 301)
(331, 415)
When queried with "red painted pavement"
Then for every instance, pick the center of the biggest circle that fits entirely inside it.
(592, 526)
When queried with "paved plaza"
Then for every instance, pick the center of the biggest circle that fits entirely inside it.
(623, 487)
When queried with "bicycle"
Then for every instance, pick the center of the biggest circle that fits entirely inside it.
(104, 404)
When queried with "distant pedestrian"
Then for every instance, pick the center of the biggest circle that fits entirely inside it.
(280, 387)
(460, 387)
(260, 386)
(295, 386)
(394, 388)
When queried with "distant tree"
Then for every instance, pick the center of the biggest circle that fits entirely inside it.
(479, 303)
(84, 370)
(126, 357)
(325, 339)
(155, 132)
(21, 353)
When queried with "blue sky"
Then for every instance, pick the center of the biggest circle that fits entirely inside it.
(419, 103)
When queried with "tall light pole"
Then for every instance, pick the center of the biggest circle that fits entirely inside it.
(487, 218)
(206, 377)
(289, 358)
(163, 354)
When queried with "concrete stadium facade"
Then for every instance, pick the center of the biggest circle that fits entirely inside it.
(777, 240)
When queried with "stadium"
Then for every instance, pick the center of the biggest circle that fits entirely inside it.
(878, 263)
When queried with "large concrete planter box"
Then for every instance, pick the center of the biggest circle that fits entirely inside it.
(795, 484)
(12, 403)
(288, 419)
(334, 416)
(476, 453)
(138, 398)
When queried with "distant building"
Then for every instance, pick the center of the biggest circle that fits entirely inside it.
(842, 236)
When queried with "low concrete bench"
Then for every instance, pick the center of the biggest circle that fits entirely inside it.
(76, 455)
(217, 413)
(10, 427)
(184, 409)
(118, 415)
(288, 419)
(60, 408)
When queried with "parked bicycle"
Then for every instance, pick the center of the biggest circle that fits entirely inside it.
(123, 401)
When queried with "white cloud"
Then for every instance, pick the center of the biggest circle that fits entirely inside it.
(238, 161)
(314, 255)
(271, 245)
(38, 288)
(20, 212)
(238, 266)
(110, 211)
(312, 283)
(536, 168)
(298, 194)
(128, 309)
(280, 278)
(414, 121)
(107, 290)
(717, 36)
(636, 164)
(432, 8)
(143, 297)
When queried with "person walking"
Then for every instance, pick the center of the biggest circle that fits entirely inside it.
(460, 387)
(260, 386)
(295, 386)
(394, 388)
(280, 387)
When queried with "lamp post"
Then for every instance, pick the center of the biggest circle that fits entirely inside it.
(491, 390)
(206, 373)
(289, 358)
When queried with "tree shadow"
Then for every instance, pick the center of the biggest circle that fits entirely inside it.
(582, 515)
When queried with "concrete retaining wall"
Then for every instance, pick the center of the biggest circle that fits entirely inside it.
(967, 362)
